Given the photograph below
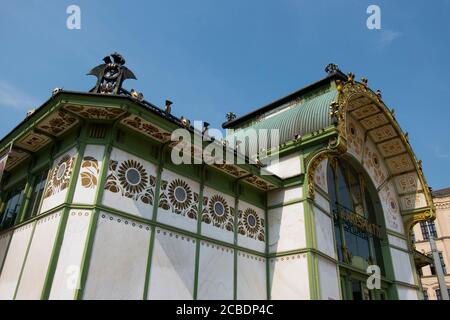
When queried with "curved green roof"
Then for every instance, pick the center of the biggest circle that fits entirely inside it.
(304, 117)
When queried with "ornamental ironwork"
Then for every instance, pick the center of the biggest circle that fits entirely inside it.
(111, 74)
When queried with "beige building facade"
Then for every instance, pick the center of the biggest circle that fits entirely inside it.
(440, 229)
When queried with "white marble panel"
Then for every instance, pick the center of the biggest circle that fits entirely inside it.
(174, 211)
(38, 258)
(118, 260)
(14, 261)
(402, 266)
(398, 242)
(218, 215)
(320, 175)
(215, 279)
(173, 266)
(4, 244)
(405, 293)
(251, 227)
(281, 196)
(67, 271)
(287, 228)
(329, 281)
(130, 184)
(88, 178)
(58, 181)
(324, 233)
(286, 167)
(322, 202)
(289, 278)
(251, 277)
(391, 208)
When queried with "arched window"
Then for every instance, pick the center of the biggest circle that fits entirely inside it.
(357, 215)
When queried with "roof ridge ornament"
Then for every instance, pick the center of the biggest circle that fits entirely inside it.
(111, 74)
(331, 68)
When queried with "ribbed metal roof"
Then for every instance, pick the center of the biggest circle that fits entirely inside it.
(302, 118)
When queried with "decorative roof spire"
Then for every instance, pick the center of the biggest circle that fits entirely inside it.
(111, 74)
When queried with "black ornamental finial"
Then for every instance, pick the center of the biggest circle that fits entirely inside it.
(331, 68)
(111, 74)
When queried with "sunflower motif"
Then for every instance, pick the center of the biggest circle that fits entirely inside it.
(180, 194)
(132, 177)
(60, 176)
(218, 208)
(251, 221)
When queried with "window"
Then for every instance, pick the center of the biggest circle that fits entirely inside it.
(438, 294)
(433, 268)
(425, 295)
(36, 194)
(354, 211)
(12, 207)
(426, 227)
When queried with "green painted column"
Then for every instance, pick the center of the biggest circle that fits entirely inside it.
(63, 220)
(87, 251)
(159, 171)
(199, 229)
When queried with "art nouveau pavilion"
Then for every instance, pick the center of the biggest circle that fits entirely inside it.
(93, 207)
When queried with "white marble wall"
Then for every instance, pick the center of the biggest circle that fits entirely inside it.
(173, 266)
(402, 266)
(289, 278)
(324, 233)
(406, 293)
(4, 244)
(329, 280)
(215, 226)
(251, 277)
(172, 212)
(287, 228)
(118, 260)
(38, 258)
(254, 236)
(89, 175)
(280, 196)
(398, 242)
(132, 196)
(67, 273)
(215, 278)
(58, 180)
(14, 261)
(286, 167)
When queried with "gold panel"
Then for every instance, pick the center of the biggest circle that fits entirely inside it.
(357, 102)
(33, 141)
(146, 128)
(365, 111)
(408, 182)
(101, 113)
(383, 133)
(391, 147)
(374, 121)
(15, 157)
(58, 123)
(399, 164)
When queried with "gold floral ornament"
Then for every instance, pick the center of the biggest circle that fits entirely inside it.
(59, 176)
(251, 221)
(89, 173)
(180, 195)
(131, 180)
(177, 197)
(251, 225)
(219, 209)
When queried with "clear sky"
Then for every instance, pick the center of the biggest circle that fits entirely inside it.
(210, 57)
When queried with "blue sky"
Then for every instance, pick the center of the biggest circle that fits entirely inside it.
(210, 57)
